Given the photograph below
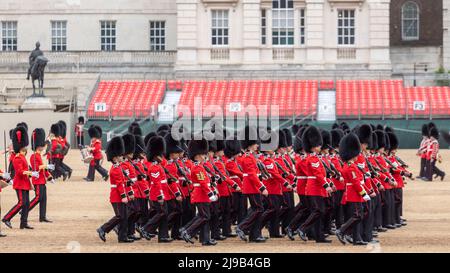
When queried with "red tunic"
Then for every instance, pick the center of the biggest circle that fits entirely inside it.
(117, 181)
(335, 160)
(224, 186)
(158, 181)
(316, 177)
(130, 174)
(174, 186)
(202, 187)
(251, 183)
(35, 162)
(276, 183)
(97, 150)
(354, 179)
(300, 168)
(235, 173)
(21, 181)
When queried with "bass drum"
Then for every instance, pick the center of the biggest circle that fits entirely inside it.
(86, 156)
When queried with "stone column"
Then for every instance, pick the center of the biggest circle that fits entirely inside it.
(187, 31)
(379, 34)
(251, 31)
(315, 34)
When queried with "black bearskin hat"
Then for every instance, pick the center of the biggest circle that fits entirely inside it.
(425, 130)
(271, 140)
(388, 129)
(379, 127)
(22, 124)
(364, 133)
(311, 138)
(135, 130)
(373, 141)
(295, 129)
(249, 137)
(393, 140)
(19, 138)
(172, 145)
(93, 132)
(336, 136)
(164, 127)
(197, 147)
(155, 147)
(129, 143)
(37, 138)
(387, 142)
(381, 139)
(139, 146)
(349, 147)
(63, 126)
(55, 129)
(326, 139)
(81, 119)
(232, 147)
(282, 141)
(148, 136)
(288, 135)
(434, 133)
(335, 126)
(115, 148)
(298, 145)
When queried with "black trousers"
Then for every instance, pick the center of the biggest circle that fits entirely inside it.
(23, 205)
(96, 167)
(239, 207)
(288, 214)
(41, 199)
(301, 213)
(188, 211)
(174, 217)
(398, 200)
(66, 167)
(353, 217)
(200, 223)
(144, 211)
(80, 141)
(338, 210)
(423, 164)
(327, 216)
(59, 169)
(316, 205)
(252, 223)
(225, 212)
(431, 170)
(377, 211)
(272, 214)
(134, 213)
(387, 205)
(367, 221)
(120, 219)
(214, 222)
(158, 221)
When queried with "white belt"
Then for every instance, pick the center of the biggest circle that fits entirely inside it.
(246, 174)
(198, 185)
(311, 177)
(164, 181)
(302, 177)
(113, 186)
(234, 177)
(349, 184)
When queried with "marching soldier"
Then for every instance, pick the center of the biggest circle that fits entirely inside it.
(79, 133)
(201, 197)
(22, 183)
(65, 147)
(433, 156)
(338, 211)
(118, 195)
(95, 134)
(422, 152)
(56, 151)
(37, 165)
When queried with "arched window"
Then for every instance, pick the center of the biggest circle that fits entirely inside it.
(410, 21)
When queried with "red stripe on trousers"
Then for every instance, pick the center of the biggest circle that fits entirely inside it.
(16, 208)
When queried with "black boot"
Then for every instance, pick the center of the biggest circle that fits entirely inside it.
(101, 234)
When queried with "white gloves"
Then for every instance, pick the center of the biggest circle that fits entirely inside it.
(213, 198)
(366, 197)
(6, 176)
(35, 174)
(51, 167)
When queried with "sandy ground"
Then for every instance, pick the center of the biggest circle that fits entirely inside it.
(78, 208)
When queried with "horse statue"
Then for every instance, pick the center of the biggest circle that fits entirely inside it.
(37, 73)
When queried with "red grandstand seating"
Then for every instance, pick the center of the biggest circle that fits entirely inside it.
(127, 99)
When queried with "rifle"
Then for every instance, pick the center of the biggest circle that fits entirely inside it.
(288, 165)
(143, 175)
(284, 173)
(222, 177)
(329, 172)
(264, 173)
(171, 177)
(337, 173)
(401, 162)
(371, 168)
(182, 173)
(212, 174)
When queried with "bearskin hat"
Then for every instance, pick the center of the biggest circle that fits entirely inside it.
(388, 129)
(373, 141)
(349, 147)
(393, 140)
(19, 138)
(336, 136)
(99, 129)
(282, 139)
(164, 127)
(387, 141)
(197, 147)
(431, 125)
(379, 127)
(381, 139)
(139, 146)
(298, 144)
(115, 148)
(55, 129)
(364, 133)
(135, 129)
(232, 147)
(249, 137)
(93, 132)
(81, 119)
(271, 140)
(295, 129)
(22, 124)
(148, 136)
(311, 138)
(63, 126)
(425, 130)
(434, 133)
(172, 145)
(326, 139)
(345, 127)
(129, 142)
(155, 147)
(288, 136)
(334, 126)
(37, 138)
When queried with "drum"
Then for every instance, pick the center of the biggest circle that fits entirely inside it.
(86, 156)
(3, 184)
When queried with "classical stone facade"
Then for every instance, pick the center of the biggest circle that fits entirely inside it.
(446, 34)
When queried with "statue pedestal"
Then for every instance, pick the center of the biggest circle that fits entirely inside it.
(38, 104)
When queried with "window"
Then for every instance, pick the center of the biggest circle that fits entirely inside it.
(302, 26)
(219, 27)
(59, 35)
(9, 36)
(283, 22)
(346, 27)
(410, 21)
(157, 35)
(108, 35)
(263, 27)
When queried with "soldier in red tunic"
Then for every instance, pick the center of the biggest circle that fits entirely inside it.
(22, 183)
(201, 197)
(65, 147)
(37, 165)
(118, 195)
(339, 183)
(355, 194)
(95, 133)
(79, 133)
(56, 152)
